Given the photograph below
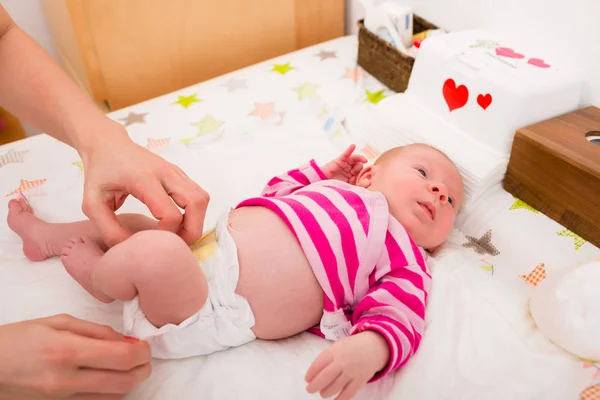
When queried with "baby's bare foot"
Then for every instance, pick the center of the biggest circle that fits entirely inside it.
(79, 257)
(30, 228)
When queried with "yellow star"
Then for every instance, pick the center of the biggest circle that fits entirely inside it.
(282, 68)
(187, 141)
(187, 101)
(578, 241)
(521, 204)
(375, 97)
(352, 73)
(263, 110)
(78, 164)
(208, 125)
(306, 91)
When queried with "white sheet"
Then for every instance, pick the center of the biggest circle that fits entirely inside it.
(479, 341)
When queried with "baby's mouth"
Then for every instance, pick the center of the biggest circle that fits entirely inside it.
(429, 209)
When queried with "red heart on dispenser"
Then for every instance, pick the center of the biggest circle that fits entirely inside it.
(507, 52)
(484, 101)
(456, 97)
(538, 63)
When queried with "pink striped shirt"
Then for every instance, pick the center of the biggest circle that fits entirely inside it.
(373, 275)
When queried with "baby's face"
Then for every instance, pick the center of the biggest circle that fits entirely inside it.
(424, 191)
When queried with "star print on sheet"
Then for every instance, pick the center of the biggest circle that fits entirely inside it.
(235, 84)
(521, 204)
(208, 125)
(368, 152)
(133, 118)
(482, 245)
(154, 144)
(595, 367)
(536, 276)
(375, 97)
(12, 156)
(306, 91)
(324, 54)
(78, 164)
(26, 185)
(591, 393)
(186, 101)
(282, 68)
(263, 110)
(578, 241)
(352, 73)
(487, 266)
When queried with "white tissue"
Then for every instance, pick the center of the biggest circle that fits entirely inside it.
(566, 307)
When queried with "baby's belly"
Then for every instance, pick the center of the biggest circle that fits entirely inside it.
(275, 276)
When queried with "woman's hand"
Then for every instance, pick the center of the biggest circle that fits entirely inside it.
(117, 167)
(65, 357)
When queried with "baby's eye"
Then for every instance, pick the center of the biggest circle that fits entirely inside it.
(422, 172)
(451, 201)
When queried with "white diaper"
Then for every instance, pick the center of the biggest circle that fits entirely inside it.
(223, 322)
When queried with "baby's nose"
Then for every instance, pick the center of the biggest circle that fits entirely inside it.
(440, 191)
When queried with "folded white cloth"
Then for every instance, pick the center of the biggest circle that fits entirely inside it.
(400, 120)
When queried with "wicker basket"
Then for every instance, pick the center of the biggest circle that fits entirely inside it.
(380, 59)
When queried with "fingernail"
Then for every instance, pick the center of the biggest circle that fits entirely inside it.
(133, 339)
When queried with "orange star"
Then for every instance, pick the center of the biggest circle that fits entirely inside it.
(26, 185)
(156, 143)
(353, 73)
(263, 110)
(536, 276)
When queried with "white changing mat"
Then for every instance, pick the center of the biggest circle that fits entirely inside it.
(479, 342)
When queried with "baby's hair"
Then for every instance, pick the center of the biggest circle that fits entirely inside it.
(388, 154)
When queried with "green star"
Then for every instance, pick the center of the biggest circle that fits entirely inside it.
(306, 91)
(521, 204)
(187, 141)
(375, 97)
(187, 101)
(578, 241)
(282, 68)
(208, 125)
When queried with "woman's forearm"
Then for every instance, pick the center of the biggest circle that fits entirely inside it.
(35, 89)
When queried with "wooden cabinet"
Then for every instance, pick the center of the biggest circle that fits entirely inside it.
(127, 51)
(10, 128)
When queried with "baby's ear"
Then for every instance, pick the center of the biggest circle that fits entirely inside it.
(365, 177)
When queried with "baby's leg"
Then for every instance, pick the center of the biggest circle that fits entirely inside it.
(42, 240)
(156, 265)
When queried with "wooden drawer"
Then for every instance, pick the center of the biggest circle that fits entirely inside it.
(126, 51)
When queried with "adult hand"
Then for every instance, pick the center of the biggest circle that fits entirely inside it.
(116, 167)
(65, 357)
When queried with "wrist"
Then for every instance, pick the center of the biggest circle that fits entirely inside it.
(107, 132)
(379, 349)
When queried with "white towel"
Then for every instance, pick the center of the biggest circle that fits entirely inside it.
(399, 120)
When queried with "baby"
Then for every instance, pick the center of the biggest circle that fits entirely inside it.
(336, 250)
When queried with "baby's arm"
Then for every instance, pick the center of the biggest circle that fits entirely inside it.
(344, 168)
(393, 311)
(293, 180)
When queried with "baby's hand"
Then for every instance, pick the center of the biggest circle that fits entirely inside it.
(347, 365)
(346, 167)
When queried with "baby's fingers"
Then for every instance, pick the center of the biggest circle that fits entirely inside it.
(358, 158)
(324, 378)
(348, 152)
(350, 390)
